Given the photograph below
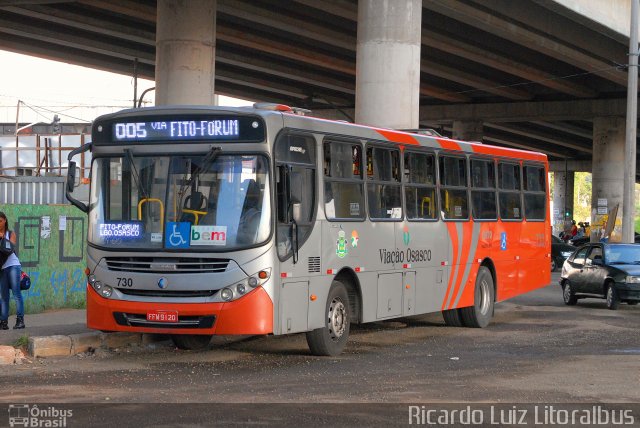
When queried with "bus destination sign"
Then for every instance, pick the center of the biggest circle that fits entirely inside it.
(189, 129)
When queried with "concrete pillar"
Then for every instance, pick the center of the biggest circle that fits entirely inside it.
(185, 52)
(388, 63)
(607, 175)
(562, 201)
(468, 130)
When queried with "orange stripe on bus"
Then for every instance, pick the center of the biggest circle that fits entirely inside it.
(397, 137)
(453, 236)
(467, 231)
(498, 151)
(449, 144)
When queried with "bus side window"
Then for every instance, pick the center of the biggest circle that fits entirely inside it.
(535, 200)
(483, 189)
(343, 187)
(383, 187)
(453, 187)
(419, 187)
(509, 199)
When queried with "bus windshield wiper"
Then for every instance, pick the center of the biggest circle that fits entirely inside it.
(135, 175)
(204, 166)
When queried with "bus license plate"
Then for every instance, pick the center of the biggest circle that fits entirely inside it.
(162, 316)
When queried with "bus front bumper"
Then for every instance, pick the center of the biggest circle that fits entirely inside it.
(249, 315)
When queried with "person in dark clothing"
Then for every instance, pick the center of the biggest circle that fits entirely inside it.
(10, 280)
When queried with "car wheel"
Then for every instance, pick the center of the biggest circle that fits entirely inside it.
(568, 295)
(631, 302)
(331, 339)
(613, 301)
(479, 315)
(553, 265)
(452, 318)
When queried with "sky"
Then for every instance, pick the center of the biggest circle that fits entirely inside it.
(76, 94)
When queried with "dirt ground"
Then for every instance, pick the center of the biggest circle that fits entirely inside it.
(537, 350)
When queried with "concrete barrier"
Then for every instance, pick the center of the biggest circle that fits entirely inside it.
(50, 346)
(62, 346)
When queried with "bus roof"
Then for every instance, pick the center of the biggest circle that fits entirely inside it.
(300, 118)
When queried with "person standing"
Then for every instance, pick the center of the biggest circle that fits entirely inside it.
(574, 229)
(10, 280)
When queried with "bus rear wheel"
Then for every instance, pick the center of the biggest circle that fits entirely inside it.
(479, 315)
(452, 318)
(331, 339)
(191, 342)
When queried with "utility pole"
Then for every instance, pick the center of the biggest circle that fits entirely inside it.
(628, 199)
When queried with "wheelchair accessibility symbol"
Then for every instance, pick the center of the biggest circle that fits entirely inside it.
(503, 241)
(176, 234)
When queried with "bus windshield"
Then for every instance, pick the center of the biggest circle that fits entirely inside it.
(197, 202)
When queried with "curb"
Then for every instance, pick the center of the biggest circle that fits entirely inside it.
(64, 346)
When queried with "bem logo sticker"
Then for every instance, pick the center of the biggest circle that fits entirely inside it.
(209, 235)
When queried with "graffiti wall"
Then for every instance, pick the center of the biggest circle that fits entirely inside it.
(51, 246)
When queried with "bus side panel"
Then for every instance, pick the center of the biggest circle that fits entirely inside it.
(471, 242)
(506, 257)
(355, 246)
(430, 241)
(535, 266)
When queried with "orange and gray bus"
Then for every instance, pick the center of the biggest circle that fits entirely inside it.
(262, 220)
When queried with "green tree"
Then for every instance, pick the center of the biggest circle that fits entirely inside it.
(582, 188)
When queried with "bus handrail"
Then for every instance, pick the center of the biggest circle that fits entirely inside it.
(144, 201)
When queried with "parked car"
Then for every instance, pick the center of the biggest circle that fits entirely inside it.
(559, 252)
(606, 271)
(578, 242)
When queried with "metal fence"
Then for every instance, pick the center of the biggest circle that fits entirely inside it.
(32, 190)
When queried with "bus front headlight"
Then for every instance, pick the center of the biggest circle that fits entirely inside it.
(226, 294)
(106, 291)
(233, 292)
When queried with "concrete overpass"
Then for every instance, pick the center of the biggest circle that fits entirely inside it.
(499, 54)
(545, 75)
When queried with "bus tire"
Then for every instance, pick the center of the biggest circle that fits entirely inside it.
(479, 315)
(452, 318)
(331, 339)
(191, 342)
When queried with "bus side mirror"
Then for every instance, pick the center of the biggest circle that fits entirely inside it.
(71, 177)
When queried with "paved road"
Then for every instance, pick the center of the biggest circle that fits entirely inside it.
(537, 350)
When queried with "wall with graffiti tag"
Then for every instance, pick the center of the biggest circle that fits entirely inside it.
(51, 244)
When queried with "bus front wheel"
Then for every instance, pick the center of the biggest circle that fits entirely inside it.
(331, 339)
(191, 341)
(479, 315)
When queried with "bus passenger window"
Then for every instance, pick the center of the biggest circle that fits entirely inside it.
(343, 187)
(483, 190)
(383, 189)
(419, 188)
(453, 188)
(509, 194)
(535, 199)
